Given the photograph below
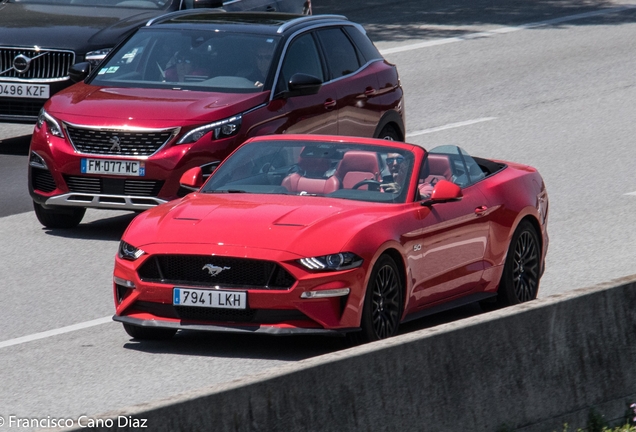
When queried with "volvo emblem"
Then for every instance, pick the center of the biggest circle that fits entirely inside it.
(115, 144)
(21, 63)
(214, 270)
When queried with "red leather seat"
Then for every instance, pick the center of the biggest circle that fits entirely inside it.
(356, 166)
(311, 177)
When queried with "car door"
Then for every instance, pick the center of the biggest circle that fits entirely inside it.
(314, 113)
(454, 237)
(354, 85)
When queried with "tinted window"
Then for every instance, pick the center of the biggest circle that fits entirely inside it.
(341, 54)
(450, 163)
(366, 47)
(301, 57)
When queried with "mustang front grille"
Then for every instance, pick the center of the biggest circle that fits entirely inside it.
(111, 186)
(207, 270)
(35, 64)
(118, 142)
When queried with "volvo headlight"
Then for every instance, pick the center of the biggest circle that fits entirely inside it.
(129, 252)
(339, 261)
(220, 129)
(96, 57)
(52, 124)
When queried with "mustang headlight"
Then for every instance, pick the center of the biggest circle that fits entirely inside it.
(52, 125)
(129, 252)
(221, 129)
(339, 261)
(96, 57)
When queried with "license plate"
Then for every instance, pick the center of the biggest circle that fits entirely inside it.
(113, 167)
(210, 298)
(18, 90)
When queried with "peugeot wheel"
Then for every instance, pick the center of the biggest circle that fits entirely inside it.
(382, 304)
(149, 333)
(389, 133)
(59, 217)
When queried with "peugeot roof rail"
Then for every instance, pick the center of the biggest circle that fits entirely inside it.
(305, 18)
(170, 15)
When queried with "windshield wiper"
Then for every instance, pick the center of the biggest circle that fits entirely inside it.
(227, 191)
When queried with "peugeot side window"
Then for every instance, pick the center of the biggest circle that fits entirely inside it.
(302, 57)
(342, 56)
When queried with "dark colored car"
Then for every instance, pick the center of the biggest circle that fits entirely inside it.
(41, 39)
(187, 89)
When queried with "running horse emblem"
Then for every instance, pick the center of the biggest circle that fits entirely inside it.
(214, 270)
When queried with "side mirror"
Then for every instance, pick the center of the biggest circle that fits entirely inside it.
(79, 71)
(444, 191)
(302, 85)
(192, 179)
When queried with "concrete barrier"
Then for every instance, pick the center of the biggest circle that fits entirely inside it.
(531, 367)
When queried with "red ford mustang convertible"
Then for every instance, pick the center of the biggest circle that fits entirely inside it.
(325, 234)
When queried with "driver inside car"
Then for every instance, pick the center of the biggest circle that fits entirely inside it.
(397, 168)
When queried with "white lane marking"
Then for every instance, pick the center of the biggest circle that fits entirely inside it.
(448, 126)
(505, 30)
(55, 332)
(630, 193)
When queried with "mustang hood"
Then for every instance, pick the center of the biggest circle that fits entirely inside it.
(77, 28)
(250, 221)
(107, 106)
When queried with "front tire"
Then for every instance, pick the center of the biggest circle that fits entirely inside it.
(522, 270)
(382, 303)
(149, 333)
(59, 217)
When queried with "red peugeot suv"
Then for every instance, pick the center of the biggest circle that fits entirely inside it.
(189, 87)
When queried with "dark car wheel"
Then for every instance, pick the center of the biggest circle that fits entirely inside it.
(522, 270)
(62, 217)
(382, 303)
(149, 333)
(389, 133)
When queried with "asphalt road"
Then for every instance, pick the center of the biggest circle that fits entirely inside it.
(547, 83)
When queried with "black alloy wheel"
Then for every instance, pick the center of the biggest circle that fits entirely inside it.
(522, 270)
(382, 303)
(525, 271)
(389, 133)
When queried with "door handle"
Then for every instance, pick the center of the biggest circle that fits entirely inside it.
(330, 104)
(369, 91)
(481, 210)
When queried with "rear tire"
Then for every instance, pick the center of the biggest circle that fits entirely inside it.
(149, 333)
(59, 217)
(389, 133)
(382, 303)
(522, 270)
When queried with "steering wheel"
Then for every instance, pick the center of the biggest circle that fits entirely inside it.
(374, 185)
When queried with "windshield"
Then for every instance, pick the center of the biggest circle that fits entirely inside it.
(203, 60)
(310, 168)
(127, 4)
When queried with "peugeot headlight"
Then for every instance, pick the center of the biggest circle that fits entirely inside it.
(220, 129)
(96, 57)
(339, 261)
(128, 251)
(52, 125)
